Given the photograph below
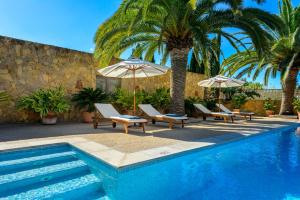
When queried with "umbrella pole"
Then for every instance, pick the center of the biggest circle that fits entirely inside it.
(219, 97)
(134, 100)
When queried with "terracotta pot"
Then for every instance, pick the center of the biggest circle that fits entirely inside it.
(50, 119)
(236, 110)
(269, 112)
(88, 117)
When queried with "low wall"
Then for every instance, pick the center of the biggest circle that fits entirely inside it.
(27, 66)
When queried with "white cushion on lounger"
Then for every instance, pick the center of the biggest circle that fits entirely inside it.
(202, 108)
(149, 110)
(206, 111)
(152, 112)
(107, 110)
(222, 107)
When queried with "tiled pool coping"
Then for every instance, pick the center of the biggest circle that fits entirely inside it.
(116, 158)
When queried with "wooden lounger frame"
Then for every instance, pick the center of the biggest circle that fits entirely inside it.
(97, 118)
(170, 121)
(244, 115)
(226, 118)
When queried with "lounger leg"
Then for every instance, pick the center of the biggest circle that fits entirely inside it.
(232, 119)
(225, 119)
(182, 123)
(250, 117)
(125, 127)
(204, 118)
(153, 121)
(143, 127)
(170, 125)
(95, 121)
(114, 124)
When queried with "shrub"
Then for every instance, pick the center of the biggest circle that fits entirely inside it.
(249, 89)
(160, 98)
(296, 104)
(189, 107)
(44, 101)
(123, 99)
(210, 103)
(238, 100)
(269, 104)
(4, 97)
(87, 97)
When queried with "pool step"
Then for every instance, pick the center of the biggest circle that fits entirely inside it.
(47, 172)
(22, 164)
(77, 188)
(34, 151)
(10, 182)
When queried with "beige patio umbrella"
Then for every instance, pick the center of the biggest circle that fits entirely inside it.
(133, 68)
(220, 81)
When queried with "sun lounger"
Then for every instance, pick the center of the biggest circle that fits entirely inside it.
(207, 113)
(244, 114)
(157, 116)
(107, 111)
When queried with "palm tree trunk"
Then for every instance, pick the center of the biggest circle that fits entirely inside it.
(177, 88)
(288, 91)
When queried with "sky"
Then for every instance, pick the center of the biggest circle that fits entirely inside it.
(73, 23)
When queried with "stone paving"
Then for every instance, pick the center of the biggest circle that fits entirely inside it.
(119, 149)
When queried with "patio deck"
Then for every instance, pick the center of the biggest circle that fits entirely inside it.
(119, 149)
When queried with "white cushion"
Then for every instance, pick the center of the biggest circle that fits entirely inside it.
(107, 110)
(149, 110)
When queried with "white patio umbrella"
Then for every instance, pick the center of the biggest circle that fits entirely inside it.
(220, 81)
(133, 68)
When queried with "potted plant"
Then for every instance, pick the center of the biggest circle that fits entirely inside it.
(296, 104)
(47, 102)
(269, 107)
(238, 100)
(85, 99)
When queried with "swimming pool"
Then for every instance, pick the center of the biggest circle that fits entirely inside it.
(265, 166)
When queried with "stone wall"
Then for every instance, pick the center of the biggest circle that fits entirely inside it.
(151, 83)
(26, 66)
(275, 94)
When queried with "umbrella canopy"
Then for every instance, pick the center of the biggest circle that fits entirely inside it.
(221, 82)
(133, 68)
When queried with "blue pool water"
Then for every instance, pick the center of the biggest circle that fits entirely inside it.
(266, 166)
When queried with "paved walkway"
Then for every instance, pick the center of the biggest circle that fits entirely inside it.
(120, 149)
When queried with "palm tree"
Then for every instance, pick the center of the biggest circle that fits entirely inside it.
(283, 57)
(172, 28)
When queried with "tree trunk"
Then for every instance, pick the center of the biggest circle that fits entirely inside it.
(288, 91)
(177, 88)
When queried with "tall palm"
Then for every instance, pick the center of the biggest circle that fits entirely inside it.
(172, 28)
(283, 57)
